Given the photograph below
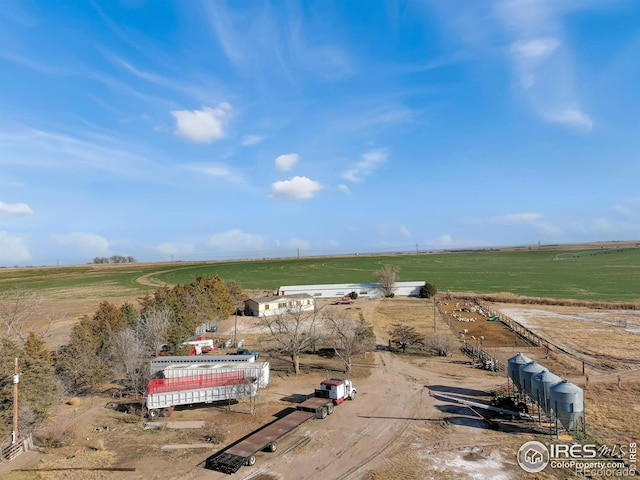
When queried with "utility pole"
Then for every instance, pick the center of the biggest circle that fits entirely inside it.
(434, 314)
(16, 380)
(235, 328)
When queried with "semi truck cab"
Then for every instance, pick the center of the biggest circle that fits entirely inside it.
(337, 389)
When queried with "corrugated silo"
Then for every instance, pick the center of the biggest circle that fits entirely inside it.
(540, 385)
(513, 367)
(527, 371)
(567, 401)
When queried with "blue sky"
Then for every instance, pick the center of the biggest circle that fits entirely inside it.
(211, 130)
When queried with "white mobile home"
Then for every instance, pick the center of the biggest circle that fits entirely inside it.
(275, 305)
(401, 289)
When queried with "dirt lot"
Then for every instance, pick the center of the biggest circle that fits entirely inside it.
(608, 338)
(394, 430)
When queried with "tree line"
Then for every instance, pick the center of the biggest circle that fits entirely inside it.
(114, 259)
(112, 345)
(116, 343)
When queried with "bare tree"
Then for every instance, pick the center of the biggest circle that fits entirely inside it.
(129, 358)
(405, 336)
(348, 335)
(386, 277)
(18, 314)
(293, 332)
(442, 344)
(152, 327)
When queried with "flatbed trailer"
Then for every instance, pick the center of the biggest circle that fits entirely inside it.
(244, 452)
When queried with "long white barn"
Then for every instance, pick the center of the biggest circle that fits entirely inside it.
(402, 289)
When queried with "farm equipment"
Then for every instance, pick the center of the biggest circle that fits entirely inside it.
(345, 300)
(318, 405)
(246, 351)
(512, 410)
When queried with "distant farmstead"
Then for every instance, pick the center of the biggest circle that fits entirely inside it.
(401, 289)
(278, 304)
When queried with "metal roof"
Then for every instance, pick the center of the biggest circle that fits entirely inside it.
(273, 298)
(351, 285)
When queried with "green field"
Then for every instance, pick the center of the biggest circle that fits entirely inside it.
(597, 275)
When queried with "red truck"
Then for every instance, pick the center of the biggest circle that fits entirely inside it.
(317, 405)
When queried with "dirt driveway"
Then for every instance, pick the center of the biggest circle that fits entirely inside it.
(393, 428)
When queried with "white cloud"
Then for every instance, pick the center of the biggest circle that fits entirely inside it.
(542, 59)
(175, 249)
(622, 209)
(301, 244)
(343, 188)
(548, 229)
(602, 225)
(287, 161)
(237, 240)
(405, 232)
(84, 243)
(202, 126)
(90, 149)
(514, 218)
(572, 118)
(13, 250)
(15, 208)
(445, 240)
(217, 170)
(535, 49)
(296, 188)
(250, 140)
(370, 162)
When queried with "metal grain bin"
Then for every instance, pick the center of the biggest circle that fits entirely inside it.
(540, 386)
(567, 400)
(527, 371)
(513, 367)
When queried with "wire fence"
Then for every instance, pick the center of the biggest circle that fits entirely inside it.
(9, 450)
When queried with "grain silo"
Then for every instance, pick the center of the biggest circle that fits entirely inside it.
(540, 386)
(567, 401)
(527, 371)
(513, 367)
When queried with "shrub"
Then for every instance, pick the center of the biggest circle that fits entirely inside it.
(216, 435)
(428, 290)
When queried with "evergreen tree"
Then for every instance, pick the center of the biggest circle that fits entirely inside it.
(79, 365)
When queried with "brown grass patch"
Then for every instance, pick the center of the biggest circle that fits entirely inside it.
(506, 297)
(604, 338)
(612, 412)
(407, 466)
(81, 459)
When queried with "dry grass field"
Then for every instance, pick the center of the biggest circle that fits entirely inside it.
(608, 339)
(394, 430)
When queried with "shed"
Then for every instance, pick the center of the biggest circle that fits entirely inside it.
(401, 289)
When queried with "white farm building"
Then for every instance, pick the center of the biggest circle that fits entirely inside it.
(278, 304)
(401, 289)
